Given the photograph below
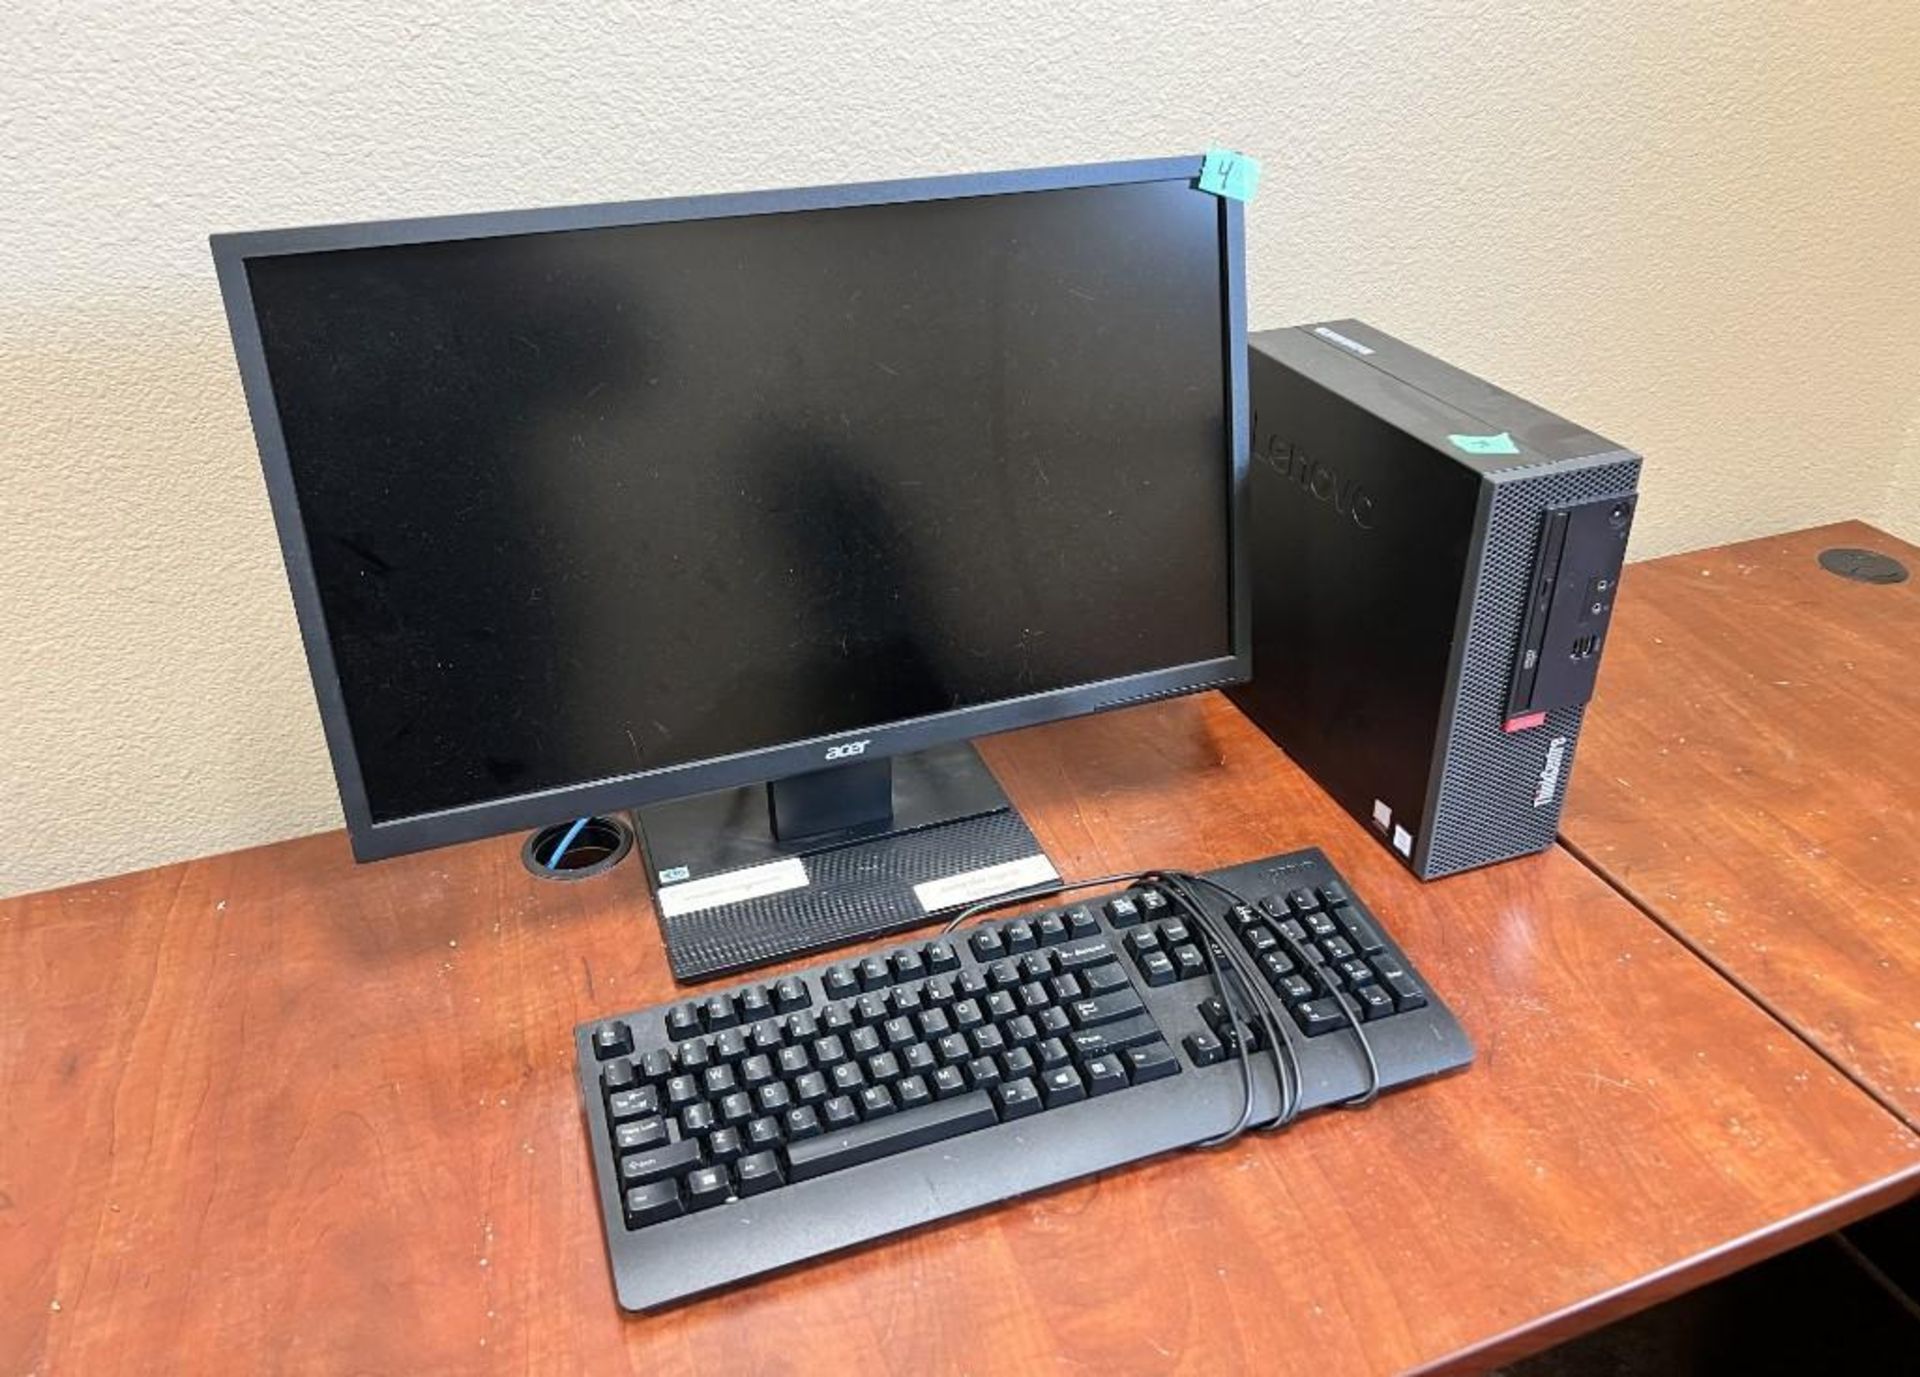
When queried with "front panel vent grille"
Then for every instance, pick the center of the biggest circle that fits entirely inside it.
(1488, 777)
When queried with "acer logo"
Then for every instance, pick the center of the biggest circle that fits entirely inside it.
(848, 749)
(1347, 496)
(1550, 772)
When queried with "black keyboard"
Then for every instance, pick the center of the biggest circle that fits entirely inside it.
(748, 1129)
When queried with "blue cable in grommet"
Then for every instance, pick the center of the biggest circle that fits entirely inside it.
(553, 861)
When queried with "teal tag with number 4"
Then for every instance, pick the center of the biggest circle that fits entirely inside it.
(1229, 174)
(1485, 444)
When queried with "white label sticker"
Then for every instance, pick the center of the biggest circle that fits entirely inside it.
(1382, 815)
(985, 882)
(731, 886)
(1352, 344)
(1403, 841)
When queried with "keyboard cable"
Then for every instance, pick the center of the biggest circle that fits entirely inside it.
(1207, 949)
(1372, 1092)
(1251, 991)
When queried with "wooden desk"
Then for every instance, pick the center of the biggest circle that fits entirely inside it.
(1751, 777)
(270, 1111)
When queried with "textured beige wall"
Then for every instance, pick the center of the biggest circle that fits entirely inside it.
(1691, 227)
(1900, 511)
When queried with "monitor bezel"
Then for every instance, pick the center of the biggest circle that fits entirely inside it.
(373, 839)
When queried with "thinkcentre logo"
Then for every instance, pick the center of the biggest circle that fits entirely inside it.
(1345, 495)
(847, 750)
(1550, 772)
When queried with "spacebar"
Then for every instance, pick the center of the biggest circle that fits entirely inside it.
(910, 1128)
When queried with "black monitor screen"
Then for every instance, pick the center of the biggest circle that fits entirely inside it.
(595, 501)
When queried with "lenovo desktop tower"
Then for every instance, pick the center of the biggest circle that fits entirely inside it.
(1435, 563)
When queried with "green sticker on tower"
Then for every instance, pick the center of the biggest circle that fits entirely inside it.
(1485, 444)
(1229, 174)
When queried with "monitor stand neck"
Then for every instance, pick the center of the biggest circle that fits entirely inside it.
(825, 805)
(821, 810)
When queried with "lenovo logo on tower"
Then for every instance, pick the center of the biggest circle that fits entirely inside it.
(1346, 496)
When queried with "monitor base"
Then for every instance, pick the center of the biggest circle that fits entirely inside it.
(733, 892)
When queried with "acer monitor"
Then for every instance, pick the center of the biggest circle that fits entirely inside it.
(746, 512)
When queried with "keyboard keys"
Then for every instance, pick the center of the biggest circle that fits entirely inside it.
(1112, 1037)
(1374, 1002)
(675, 1159)
(1061, 1086)
(949, 1081)
(697, 1119)
(650, 1204)
(707, 1186)
(656, 1065)
(757, 1172)
(1017, 1099)
(1352, 972)
(1360, 929)
(1407, 994)
(933, 1122)
(763, 1132)
(718, 1081)
(1151, 1062)
(1104, 1073)
(1108, 1008)
(618, 1075)
(771, 1083)
(641, 1135)
(632, 1104)
(1158, 968)
(1205, 1049)
(1317, 1016)
(613, 1039)
(1082, 954)
(803, 1121)
(718, 1012)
